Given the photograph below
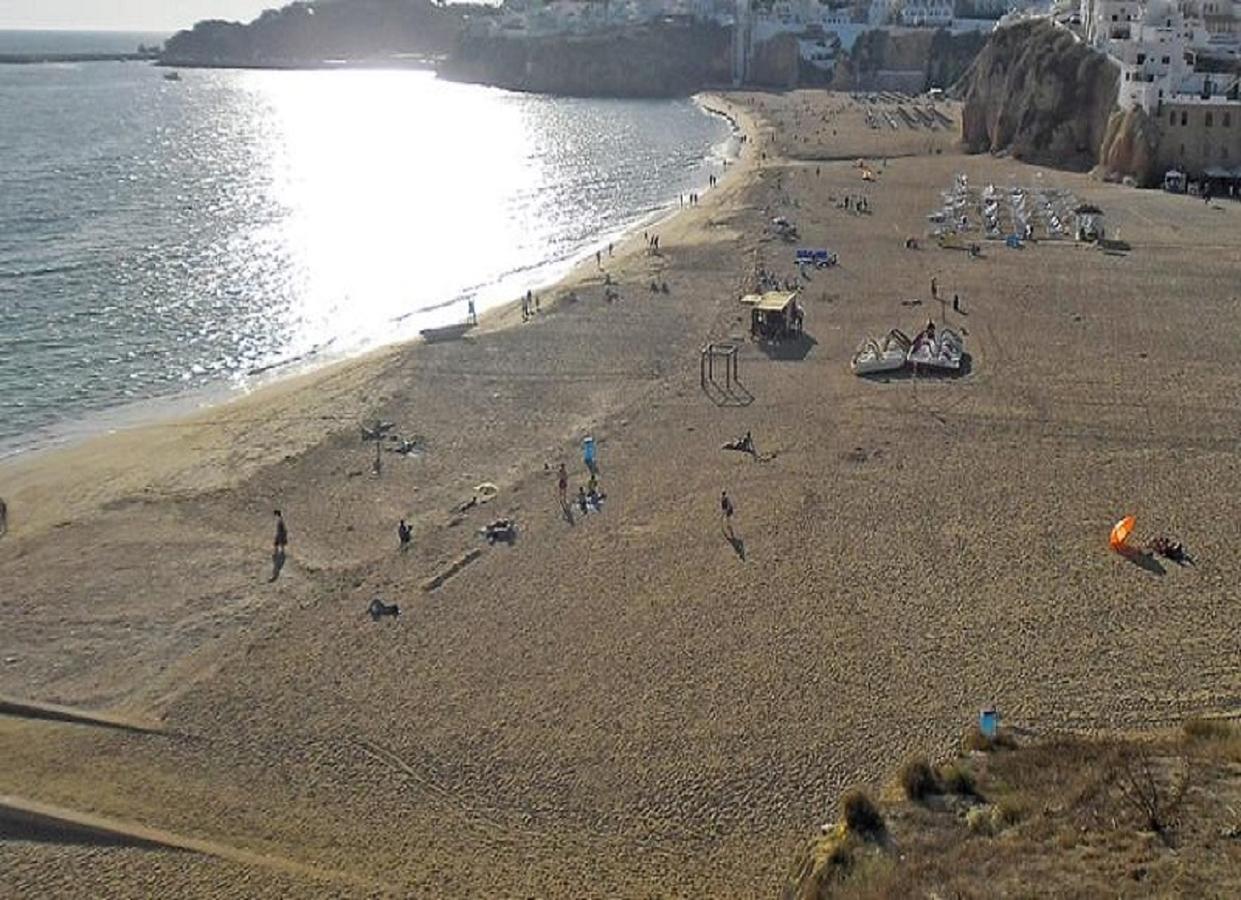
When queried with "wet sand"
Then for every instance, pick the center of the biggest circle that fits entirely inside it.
(627, 704)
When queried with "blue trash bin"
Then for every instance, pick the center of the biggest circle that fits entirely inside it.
(989, 721)
(588, 453)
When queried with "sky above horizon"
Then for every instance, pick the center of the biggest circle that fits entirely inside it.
(125, 15)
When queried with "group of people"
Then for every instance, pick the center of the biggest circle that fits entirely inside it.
(856, 204)
(529, 306)
(588, 496)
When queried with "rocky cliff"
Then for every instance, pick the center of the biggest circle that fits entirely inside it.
(307, 34)
(912, 60)
(663, 60)
(1041, 95)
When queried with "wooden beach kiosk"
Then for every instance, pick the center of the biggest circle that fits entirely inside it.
(774, 315)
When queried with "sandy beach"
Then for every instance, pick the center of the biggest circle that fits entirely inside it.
(625, 703)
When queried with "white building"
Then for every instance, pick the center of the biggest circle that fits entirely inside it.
(927, 13)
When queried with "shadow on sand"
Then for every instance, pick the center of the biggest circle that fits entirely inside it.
(734, 394)
(1144, 560)
(790, 349)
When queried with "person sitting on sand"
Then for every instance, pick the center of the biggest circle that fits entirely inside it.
(1173, 550)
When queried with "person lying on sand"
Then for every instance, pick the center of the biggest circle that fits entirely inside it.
(744, 445)
(1173, 550)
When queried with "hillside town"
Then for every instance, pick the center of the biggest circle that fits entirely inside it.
(1178, 64)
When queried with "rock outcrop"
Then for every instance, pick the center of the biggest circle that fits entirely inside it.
(1039, 94)
(664, 60)
(1130, 147)
(305, 34)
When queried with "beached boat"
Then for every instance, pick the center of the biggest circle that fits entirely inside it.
(446, 332)
(886, 355)
(941, 350)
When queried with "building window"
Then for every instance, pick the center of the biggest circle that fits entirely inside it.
(1167, 60)
(1210, 120)
(1172, 120)
(1182, 151)
(1227, 120)
(1141, 58)
(1184, 120)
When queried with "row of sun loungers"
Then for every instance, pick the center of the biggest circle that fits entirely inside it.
(1003, 212)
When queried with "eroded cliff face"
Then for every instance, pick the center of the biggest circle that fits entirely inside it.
(911, 60)
(1039, 94)
(1130, 147)
(667, 61)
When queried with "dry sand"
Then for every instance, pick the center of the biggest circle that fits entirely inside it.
(623, 706)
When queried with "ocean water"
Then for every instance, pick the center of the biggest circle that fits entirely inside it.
(160, 238)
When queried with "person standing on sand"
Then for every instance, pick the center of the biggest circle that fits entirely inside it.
(563, 485)
(726, 510)
(278, 547)
(934, 288)
(599, 258)
(282, 534)
(405, 534)
(471, 313)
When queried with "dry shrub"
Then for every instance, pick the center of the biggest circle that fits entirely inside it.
(918, 779)
(978, 820)
(1156, 800)
(861, 815)
(958, 779)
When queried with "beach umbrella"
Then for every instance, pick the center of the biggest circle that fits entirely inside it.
(1120, 533)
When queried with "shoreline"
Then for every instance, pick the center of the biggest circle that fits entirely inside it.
(644, 698)
(171, 409)
(151, 423)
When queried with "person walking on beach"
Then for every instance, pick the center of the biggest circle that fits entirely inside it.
(726, 510)
(562, 485)
(282, 533)
(471, 312)
(934, 288)
(278, 547)
(405, 534)
(599, 258)
(956, 303)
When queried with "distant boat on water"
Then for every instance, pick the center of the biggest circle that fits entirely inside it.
(172, 76)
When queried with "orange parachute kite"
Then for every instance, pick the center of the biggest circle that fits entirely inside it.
(1120, 534)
